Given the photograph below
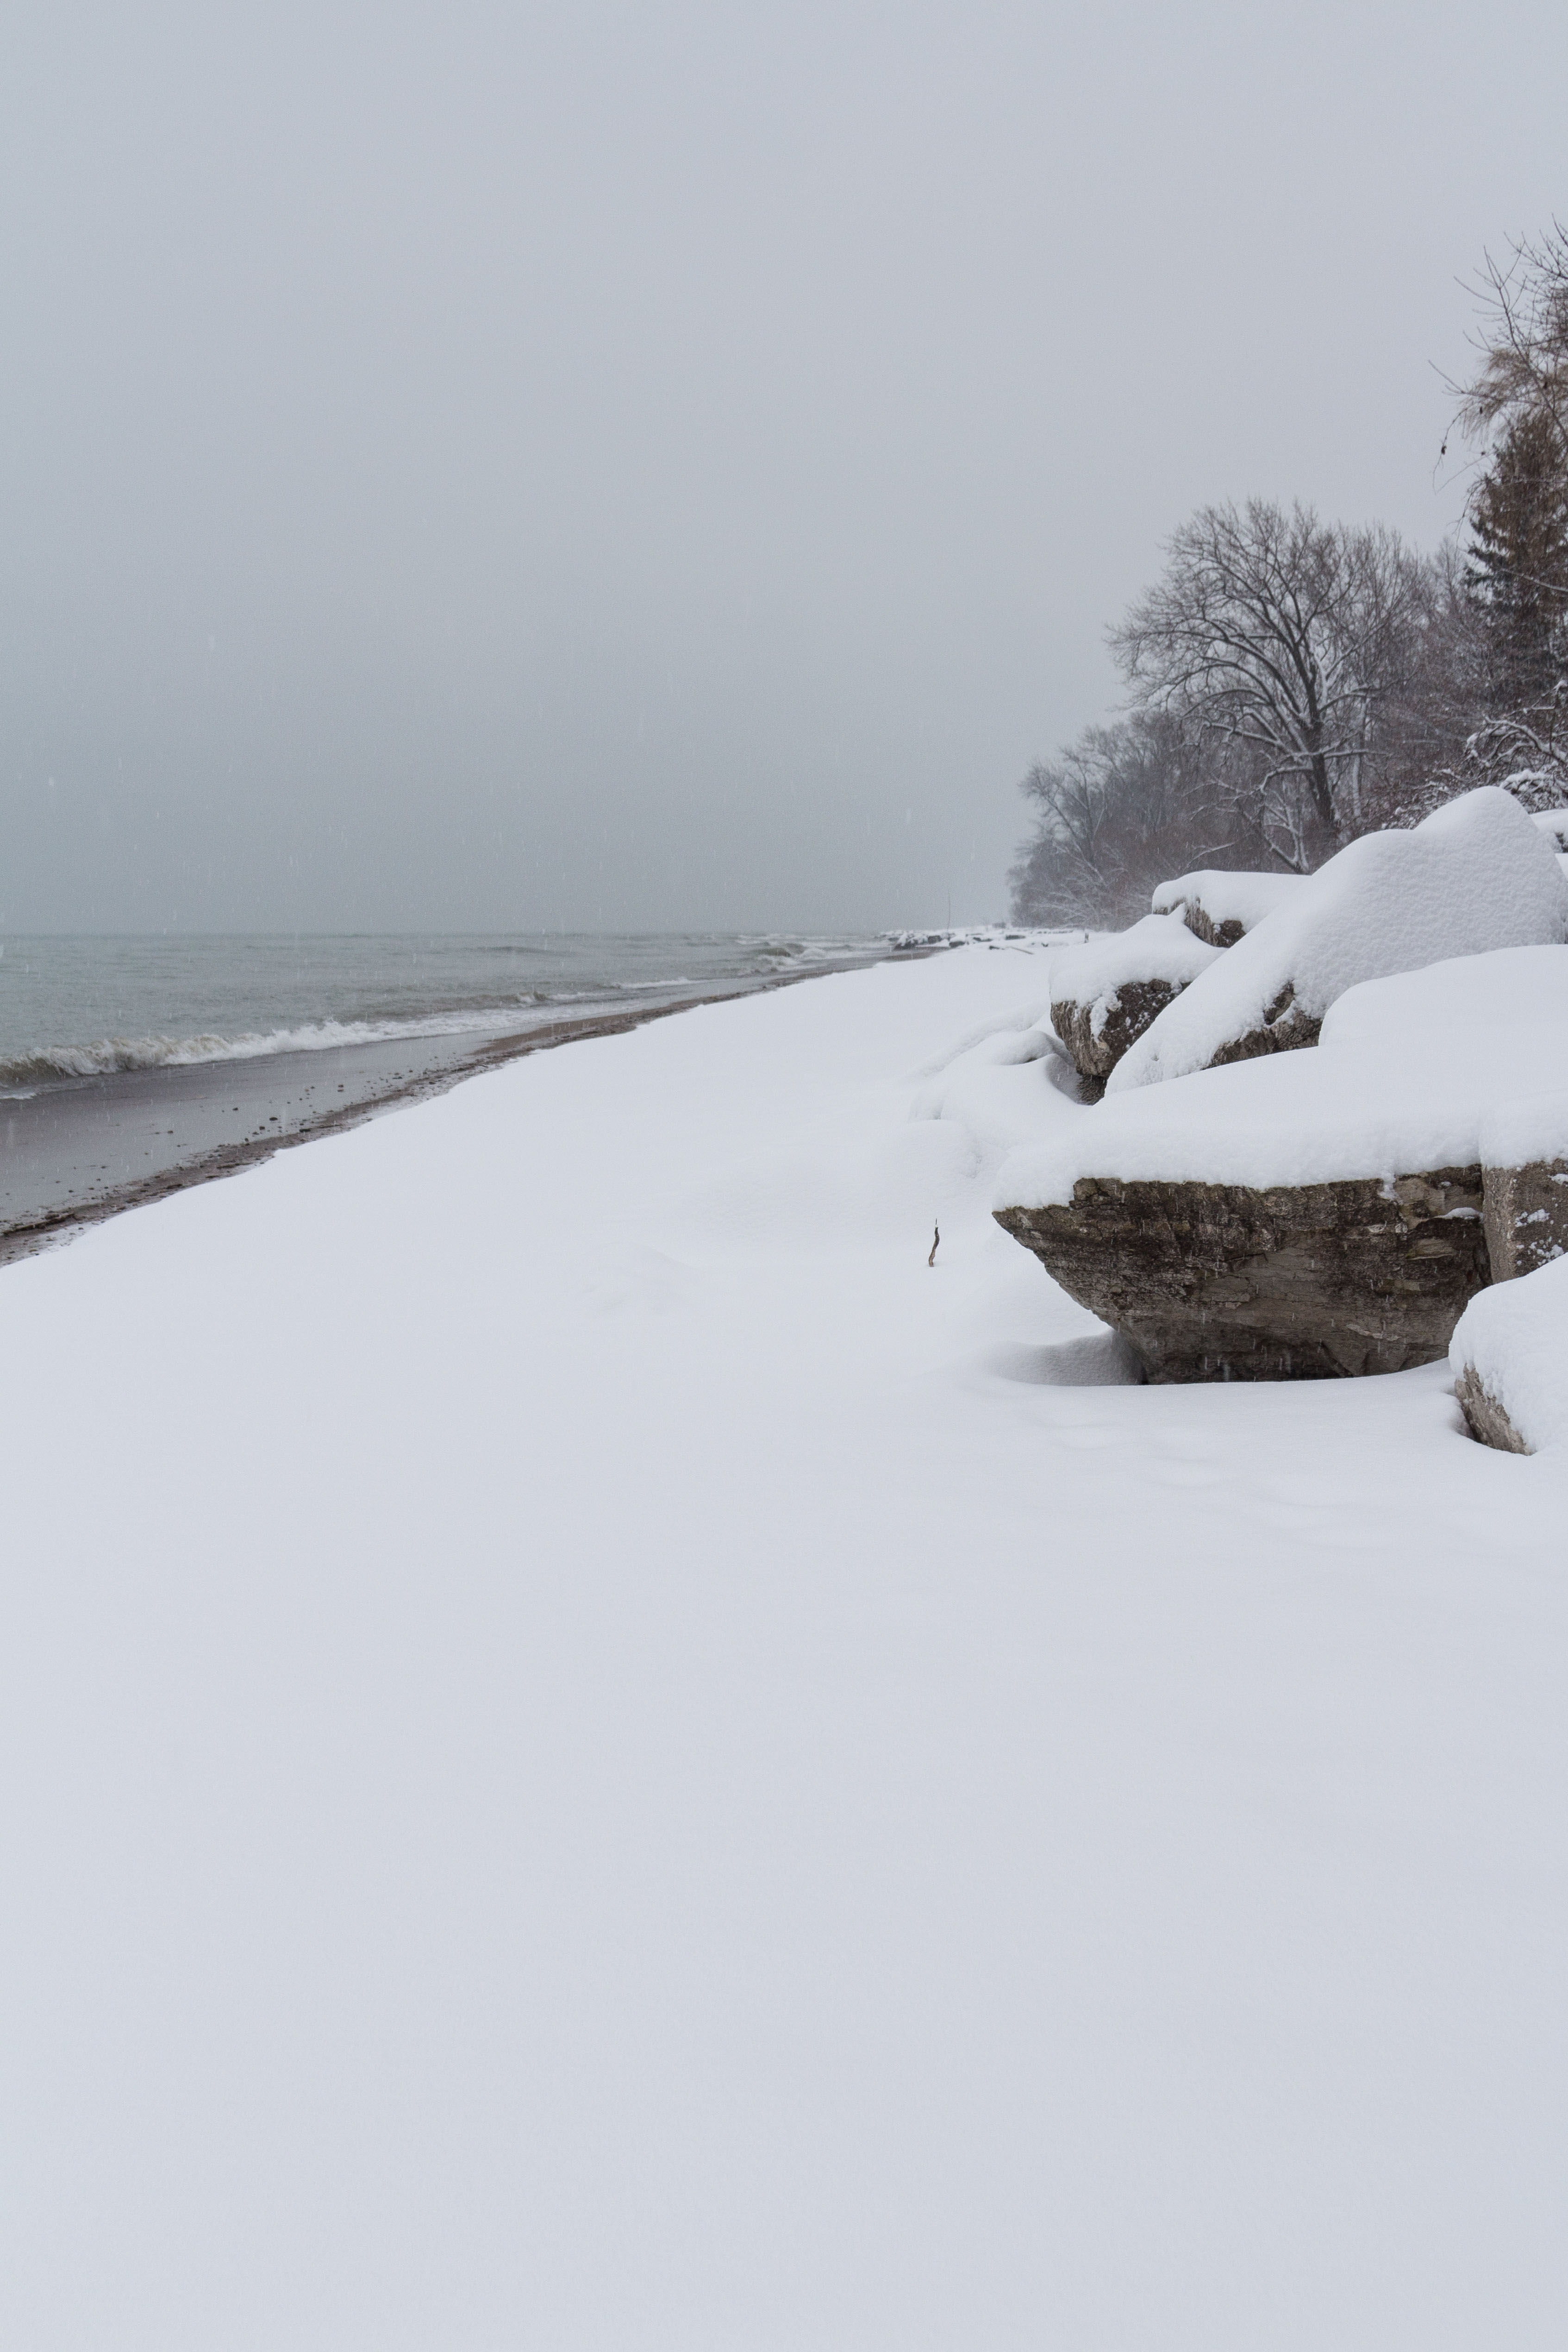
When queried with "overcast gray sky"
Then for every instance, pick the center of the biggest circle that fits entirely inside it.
(478, 466)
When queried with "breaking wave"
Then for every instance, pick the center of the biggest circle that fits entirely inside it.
(105, 1056)
(172, 1004)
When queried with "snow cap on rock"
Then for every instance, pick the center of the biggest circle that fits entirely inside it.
(1104, 995)
(1476, 876)
(1408, 1070)
(1527, 1129)
(1212, 903)
(1160, 947)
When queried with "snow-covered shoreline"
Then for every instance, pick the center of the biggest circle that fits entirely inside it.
(106, 1139)
(599, 1756)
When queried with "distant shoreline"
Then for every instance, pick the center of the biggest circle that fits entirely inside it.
(76, 1155)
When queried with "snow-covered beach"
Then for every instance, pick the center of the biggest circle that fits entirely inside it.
(132, 1068)
(74, 1153)
(602, 1757)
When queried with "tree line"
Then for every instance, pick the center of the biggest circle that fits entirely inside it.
(1292, 683)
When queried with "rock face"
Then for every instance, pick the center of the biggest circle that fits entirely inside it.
(1524, 1151)
(1283, 1027)
(1484, 1416)
(1212, 1282)
(1096, 1050)
(1526, 1217)
(1106, 993)
(1217, 935)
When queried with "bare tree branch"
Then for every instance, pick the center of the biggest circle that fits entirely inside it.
(1283, 636)
(1524, 342)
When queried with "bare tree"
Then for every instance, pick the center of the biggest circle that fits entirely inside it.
(1296, 682)
(1527, 750)
(1439, 698)
(1283, 637)
(1122, 809)
(1524, 342)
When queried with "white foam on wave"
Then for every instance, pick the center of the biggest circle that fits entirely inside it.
(759, 955)
(782, 950)
(105, 1056)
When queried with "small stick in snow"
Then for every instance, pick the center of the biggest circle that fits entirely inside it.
(932, 1259)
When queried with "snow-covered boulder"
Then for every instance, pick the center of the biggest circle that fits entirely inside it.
(1509, 1355)
(1223, 907)
(1304, 1214)
(1104, 995)
(1476, 876)
(1407, 1070)
(1524, 1159)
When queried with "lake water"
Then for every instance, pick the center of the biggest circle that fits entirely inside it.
(72, 1008)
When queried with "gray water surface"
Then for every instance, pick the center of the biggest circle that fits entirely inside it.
(74, 1008)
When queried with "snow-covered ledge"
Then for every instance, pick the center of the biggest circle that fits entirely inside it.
(1310, 1212)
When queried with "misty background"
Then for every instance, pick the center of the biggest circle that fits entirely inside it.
(505, 467)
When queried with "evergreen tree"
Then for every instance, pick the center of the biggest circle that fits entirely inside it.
(1518, 561)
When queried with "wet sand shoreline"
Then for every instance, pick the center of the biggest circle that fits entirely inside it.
(73, 1155)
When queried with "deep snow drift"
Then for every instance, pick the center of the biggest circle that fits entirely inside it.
(597, 1757)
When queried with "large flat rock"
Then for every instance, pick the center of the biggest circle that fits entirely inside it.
(1293, 1282)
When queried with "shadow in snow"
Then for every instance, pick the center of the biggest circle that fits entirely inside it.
(1099, 1360)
